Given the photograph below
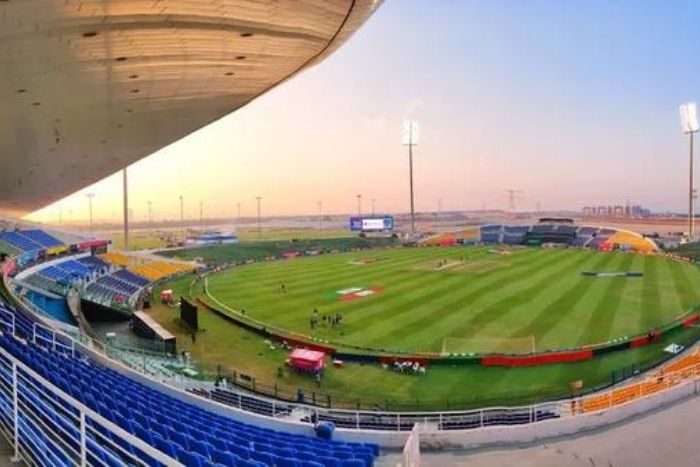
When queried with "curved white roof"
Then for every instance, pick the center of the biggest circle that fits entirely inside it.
(88, 87)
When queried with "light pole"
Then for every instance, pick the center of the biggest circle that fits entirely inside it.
(409, 138)
(182, 218)
(89, 197)
(259, 198)
(201, 216)
(359, 205)
(126, 210)
(320, 211)
(373, 200)
(689, 123)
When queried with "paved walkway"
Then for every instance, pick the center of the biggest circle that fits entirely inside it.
(667, 437)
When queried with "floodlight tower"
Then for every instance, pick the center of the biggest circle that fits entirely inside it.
(359, 205)
(409, 138)
(89, 197)
(689, 124)
(126, 210)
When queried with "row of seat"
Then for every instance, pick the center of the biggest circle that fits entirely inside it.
(193, 435)
(156, 270)
(20, 242)
(668, 376)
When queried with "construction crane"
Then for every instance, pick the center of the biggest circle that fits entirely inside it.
(512, 195)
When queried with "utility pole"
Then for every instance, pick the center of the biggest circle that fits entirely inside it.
(511, 198)
(259, 198)
(182, 218)
(201, 216)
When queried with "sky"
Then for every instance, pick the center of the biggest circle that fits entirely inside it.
(571, 102)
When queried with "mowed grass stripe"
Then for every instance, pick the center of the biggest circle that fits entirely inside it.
(566, 331)
(408, 280)
(599, 325)
(421, 326)
(420, 306)
(491, 321)
(651, 313)
(401, 297)
(339, 272)
(683, 286)
(626, 321)
(414, 305)
(266, 293)
(565, 304)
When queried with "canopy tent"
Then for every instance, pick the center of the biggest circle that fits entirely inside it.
(310, 361)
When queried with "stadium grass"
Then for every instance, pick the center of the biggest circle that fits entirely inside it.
(536, 292)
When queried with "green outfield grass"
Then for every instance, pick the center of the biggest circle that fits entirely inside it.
(537, 291)
(467, 299)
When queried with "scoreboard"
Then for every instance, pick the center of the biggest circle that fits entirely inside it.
(372, 224)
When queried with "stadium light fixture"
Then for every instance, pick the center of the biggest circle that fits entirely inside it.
(409, 137)
(359, 205)
(689, 124)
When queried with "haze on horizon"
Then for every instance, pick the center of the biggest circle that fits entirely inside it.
(574, 103)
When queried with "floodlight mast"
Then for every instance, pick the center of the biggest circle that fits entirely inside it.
(125, 182)
(689, 124)
(410, 139)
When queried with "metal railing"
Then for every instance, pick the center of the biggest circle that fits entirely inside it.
(46, 426)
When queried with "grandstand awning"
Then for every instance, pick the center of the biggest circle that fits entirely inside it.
(88, 88)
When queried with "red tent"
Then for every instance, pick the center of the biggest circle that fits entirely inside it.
(307, 360)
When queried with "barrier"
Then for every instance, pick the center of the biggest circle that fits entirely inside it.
(537, 359)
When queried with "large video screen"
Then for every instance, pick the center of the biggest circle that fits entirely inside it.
(189, 314)
(372, 224)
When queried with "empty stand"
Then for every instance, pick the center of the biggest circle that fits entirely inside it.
(192, 435)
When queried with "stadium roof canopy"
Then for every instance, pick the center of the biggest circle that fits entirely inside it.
(88, 87)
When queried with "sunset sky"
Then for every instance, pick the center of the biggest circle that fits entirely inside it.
(573, 103)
